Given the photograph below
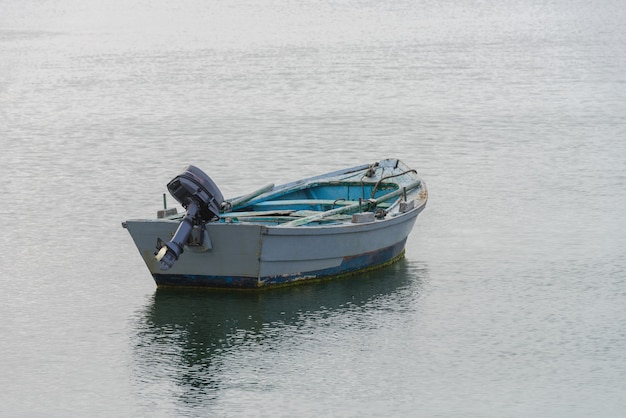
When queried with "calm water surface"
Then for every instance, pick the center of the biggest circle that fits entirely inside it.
(511, 301)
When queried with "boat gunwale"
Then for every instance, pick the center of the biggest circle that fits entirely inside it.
(342, 227)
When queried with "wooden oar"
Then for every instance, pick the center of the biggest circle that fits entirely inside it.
(272, 193)
(350, 208)
(239, 201)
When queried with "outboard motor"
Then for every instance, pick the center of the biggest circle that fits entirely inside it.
(201, 198)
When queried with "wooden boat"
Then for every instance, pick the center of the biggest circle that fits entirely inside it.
(331, 225)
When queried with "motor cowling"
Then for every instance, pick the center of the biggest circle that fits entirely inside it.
(202, 200)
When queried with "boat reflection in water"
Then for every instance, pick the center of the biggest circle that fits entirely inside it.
(189, 344)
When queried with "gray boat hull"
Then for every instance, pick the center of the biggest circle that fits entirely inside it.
(253, 256)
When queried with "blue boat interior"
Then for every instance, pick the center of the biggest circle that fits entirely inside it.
(324, 197)
(284, 205)
(310, 199)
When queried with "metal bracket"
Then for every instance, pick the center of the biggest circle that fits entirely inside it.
(199, 240)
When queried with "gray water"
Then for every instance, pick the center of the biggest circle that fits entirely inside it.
(510, 302)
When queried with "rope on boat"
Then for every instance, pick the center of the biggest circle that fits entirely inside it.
(390, 177)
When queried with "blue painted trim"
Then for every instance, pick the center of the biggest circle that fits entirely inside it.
(349, 265)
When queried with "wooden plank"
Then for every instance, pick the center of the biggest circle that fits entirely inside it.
(257, 213)
(299, 202)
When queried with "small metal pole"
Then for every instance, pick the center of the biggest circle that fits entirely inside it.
(164, 201)
(404, 193)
